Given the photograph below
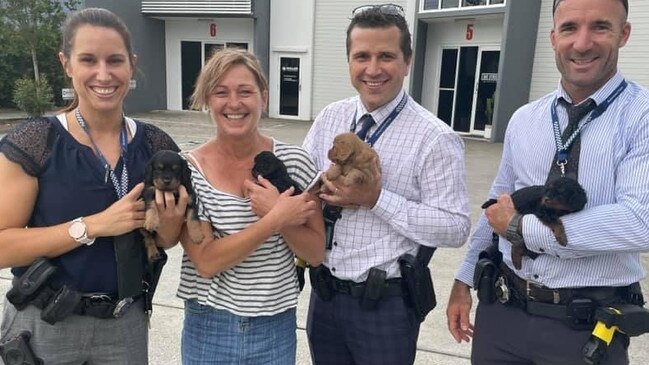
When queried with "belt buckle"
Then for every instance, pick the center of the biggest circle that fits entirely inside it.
(502, 291)
(556, 297)
(98, 298)
(122, 306)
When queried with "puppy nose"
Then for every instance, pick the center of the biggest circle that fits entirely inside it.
(166, 180)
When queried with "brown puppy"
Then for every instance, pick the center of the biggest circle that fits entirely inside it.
(166, 171)
(354, 160)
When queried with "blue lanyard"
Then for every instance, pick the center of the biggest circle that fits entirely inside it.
(121, 187)
(386, 123)
(564, 148)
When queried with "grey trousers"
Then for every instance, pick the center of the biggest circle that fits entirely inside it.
(505, 335)
(82, 339)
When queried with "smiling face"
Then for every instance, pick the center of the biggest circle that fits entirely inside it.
(586, 38)
(100, 68)
(236, 103)
(377, 65)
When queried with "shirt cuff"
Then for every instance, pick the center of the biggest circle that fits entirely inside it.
(538, 237)
(465, 273)
(387, 205)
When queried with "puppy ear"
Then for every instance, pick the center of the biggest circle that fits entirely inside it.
(148, 173)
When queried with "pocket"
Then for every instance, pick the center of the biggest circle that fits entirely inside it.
(9, 315)
(194, 307)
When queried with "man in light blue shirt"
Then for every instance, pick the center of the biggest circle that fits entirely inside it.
(601, 262)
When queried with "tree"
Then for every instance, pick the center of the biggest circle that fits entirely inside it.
(30, 27)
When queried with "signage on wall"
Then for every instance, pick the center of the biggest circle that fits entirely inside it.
(212, 29)
(489, 77)
(469, 32)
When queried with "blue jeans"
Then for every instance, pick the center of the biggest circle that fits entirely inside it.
(215, 336)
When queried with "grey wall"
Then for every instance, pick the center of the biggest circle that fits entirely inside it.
(149, 44)
(261, 14)
(516, 62)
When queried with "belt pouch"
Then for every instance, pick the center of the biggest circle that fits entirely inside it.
(373, 289)
(18, 351)
(484, 280)
(418, 285)
(26, 287)
(322, 282)
(61, 305)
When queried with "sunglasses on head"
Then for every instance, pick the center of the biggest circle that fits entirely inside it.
(388, 9)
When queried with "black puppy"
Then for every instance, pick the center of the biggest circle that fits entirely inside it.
(166, 171)
(274, 170)
(548, 203)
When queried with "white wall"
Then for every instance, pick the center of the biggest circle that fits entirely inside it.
(184, 29)
(451, 33)
(632, 61)
(291, 35)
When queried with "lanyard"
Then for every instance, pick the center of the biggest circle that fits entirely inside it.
(120, 186)
(386, 123)
(564, 148)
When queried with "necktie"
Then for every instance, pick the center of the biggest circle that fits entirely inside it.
(366, 123)
(575, 114)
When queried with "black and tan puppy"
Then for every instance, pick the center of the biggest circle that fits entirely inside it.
(549, 202)
(166, 171)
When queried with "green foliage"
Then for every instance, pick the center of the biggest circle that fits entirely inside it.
(29, 42)
(33, 97)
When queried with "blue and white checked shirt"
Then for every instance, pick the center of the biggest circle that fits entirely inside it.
(423, 199)
(606, 238)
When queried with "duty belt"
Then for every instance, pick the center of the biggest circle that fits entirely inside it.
(575, 306)
(391, 287)
(98, 305)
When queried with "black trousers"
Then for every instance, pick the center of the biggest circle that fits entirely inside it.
(506, 335)
(341, 333)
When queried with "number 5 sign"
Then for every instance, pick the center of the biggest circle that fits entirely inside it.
(469, 32)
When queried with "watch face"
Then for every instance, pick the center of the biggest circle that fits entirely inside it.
(77, 230)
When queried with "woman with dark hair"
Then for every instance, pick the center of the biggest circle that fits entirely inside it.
(72, 209)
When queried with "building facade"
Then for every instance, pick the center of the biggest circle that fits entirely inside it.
(475, 61)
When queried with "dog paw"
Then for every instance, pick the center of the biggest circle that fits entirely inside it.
(151, 220)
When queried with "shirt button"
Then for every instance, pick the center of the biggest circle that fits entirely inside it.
(333, 269)
(536, 276)
(335, 243)
(541, 250)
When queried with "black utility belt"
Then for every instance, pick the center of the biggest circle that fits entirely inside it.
(535, 292)
(389, 288)
(35, 288)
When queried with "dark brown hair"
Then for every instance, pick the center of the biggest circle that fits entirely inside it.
(375, 18)
(99, 18)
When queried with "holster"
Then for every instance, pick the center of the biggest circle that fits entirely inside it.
(18, 351)
(486, 272)
(322, 282)
(28, 286)
(373, 289)
(418, 283)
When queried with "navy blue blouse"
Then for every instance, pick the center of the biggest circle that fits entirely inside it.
(71, 184)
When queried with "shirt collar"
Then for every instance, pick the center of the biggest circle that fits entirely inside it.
(379, 114)
(600, 95)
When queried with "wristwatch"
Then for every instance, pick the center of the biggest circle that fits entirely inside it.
(79, 232)
(512, 234)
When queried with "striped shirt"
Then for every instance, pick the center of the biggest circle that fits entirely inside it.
(604, 239)
(423, 198)
(263, 284)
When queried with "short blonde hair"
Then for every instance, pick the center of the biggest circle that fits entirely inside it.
(217, 66)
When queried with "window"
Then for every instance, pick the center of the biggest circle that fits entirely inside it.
(457, 4)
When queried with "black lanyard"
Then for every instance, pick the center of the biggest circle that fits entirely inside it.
(386, 123)
(564, 148)
(121, 187)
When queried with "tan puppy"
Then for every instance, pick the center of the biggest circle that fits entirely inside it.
(354, 160)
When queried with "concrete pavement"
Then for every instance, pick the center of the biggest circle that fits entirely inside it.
(435, 345)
